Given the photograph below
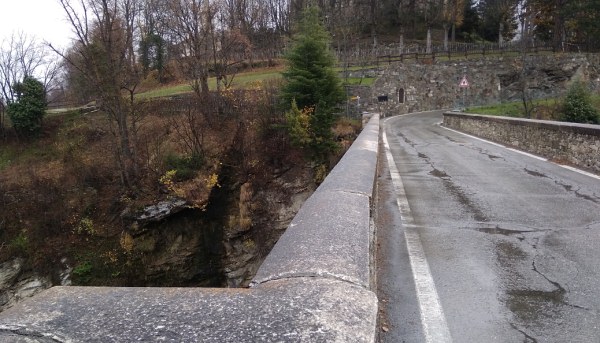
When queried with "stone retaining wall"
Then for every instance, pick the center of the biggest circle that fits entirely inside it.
(569, 143)
(413, 87)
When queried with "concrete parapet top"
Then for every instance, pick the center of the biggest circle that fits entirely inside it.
(573, 144)
(329, 237)
(355, 172)
(299, 310)
(589, 129)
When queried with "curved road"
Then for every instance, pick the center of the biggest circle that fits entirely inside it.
(509, 243)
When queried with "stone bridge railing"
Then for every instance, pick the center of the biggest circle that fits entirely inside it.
(566, 143)
(314, 286)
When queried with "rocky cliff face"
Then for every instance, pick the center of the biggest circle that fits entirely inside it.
(16, 283)
(411, 87)
(201, 218)
(174, 244)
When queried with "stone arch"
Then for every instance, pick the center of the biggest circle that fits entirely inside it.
(401, 95)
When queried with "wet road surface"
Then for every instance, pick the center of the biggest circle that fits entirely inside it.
(512, 242)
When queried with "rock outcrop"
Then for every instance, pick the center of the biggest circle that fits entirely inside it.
(221, 245)
(16, 283)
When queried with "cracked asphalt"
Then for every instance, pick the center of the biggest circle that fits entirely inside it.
(512, 242)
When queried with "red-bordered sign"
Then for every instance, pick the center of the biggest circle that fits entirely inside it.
(464, 83)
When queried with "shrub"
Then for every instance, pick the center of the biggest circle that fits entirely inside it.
(82, 273)
(185, 166)
(298, 125)
(20, 243)
(27, 111)
(310, 128)
(86, 226)
(578, 107)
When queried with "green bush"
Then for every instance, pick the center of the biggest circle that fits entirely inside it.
(298, 125)
(20, 243)
(578, 107)
(185, 166)
(27, 111)
(82, 273)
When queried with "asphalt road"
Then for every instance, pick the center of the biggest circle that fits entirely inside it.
(511, 242)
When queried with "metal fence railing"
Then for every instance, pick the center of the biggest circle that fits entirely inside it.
(417, 51)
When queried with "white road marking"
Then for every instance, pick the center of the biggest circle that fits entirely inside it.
(433, 320)
(582, 172)
(527, 154)
(468, 135)
(597, 177)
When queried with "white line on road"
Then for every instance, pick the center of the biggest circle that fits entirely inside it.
(433, 320)
(582, 172)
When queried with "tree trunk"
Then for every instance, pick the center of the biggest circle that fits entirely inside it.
(445, 28)
(453, 32)
(401, 47)
(428, 47)
(204, 85)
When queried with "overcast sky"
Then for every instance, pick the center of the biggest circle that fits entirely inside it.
(44, 19)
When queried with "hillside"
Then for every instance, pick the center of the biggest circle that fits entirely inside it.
(194, 218)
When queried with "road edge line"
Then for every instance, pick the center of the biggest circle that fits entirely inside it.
(573, 169)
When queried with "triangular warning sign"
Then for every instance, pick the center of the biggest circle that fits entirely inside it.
(464, 83)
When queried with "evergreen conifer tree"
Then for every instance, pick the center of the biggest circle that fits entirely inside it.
(312, 87)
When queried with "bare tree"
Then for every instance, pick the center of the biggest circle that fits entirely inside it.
(192, 22)
(525, 18)
(105, 50)
(279, 15)
(153, 27)
(457, 15)
(21, 56)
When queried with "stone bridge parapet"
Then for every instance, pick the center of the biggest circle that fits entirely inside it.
(566, 143)
(314, 286)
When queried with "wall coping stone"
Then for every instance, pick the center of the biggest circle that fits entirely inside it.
(572, 144)
(313, 286)
(333, 223)
(355, 172)
(586, 129)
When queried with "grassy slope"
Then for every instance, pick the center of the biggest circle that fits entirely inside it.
(545, 108)
(241, 80)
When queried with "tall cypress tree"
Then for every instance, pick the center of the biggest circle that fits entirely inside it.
(312, 87)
